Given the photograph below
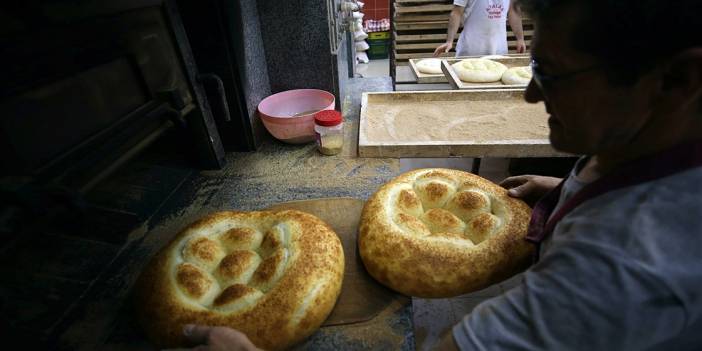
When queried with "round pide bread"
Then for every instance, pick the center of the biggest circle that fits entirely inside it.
(275, 276)
(429, 66)
(479, 70)
(442, 233)
(517, 76)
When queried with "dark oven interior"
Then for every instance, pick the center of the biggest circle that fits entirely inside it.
(104, 114)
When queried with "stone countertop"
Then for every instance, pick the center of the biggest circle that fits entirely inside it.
(280, 172)
(276, 173)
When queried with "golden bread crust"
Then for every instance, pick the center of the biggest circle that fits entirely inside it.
(275, 276)
(441, 233)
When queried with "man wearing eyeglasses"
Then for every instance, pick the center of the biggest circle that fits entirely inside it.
(484, 28)
(619, 263)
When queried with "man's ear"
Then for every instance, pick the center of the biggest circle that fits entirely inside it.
(681, 81)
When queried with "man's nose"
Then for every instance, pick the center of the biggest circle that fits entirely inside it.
(533, 93)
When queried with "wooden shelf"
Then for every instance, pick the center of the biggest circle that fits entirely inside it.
(400, 9)
(404, 26)
(419, 27)
(415, 2)
(419, 18)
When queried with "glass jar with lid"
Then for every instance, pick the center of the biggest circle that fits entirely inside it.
(329, 130)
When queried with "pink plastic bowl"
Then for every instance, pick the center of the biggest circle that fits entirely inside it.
(289, 115)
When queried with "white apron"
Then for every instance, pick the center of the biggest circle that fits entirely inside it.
(484, 27)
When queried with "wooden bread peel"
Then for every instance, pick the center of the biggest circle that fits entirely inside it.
(361, 298)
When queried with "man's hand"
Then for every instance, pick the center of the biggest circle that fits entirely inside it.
(530, 188)
(521, 46)
(514, 18)
(217, 339)
(455, 20)
(443, 48)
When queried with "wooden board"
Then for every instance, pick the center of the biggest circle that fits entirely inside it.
(441, 37)
(401, 9)
(425, 78)
(434, 31)
(403, 75)
(422, 87)
(405, 57)
(362, 298)
(431, 46)
(415, 2)
(406, 74)
(420, 46)
(421, 25)
(465, 123)
(421, 17)
(420, 38)
(413, 44)
(456, 83)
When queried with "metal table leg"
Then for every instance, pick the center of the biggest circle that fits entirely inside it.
(476, 166)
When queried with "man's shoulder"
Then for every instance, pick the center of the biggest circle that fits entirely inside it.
(653, 226)
(677, 195)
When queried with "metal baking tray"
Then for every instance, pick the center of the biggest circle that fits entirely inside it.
(457, 83)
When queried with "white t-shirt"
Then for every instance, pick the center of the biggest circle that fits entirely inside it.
(484, 27)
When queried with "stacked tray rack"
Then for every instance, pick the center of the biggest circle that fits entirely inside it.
(419, 27)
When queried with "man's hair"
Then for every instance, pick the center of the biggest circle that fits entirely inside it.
(629, 36)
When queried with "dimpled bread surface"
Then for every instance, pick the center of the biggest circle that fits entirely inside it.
(479, 70)
(275, 276)
(441, 233)
(517, 76)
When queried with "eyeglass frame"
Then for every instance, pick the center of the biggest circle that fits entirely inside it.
(540, 77)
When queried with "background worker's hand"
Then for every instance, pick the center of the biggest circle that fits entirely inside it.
(521, 46)
(529, 188)
(217, 339)
(443, 48)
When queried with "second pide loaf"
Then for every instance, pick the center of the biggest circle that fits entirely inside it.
(442, 233)
(517, 76)
(273, 275)
(479, 70)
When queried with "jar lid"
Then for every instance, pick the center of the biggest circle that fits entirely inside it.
(328, 118)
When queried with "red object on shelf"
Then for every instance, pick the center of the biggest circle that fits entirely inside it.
(328, 118)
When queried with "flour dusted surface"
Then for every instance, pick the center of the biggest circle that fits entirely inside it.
(475, 121)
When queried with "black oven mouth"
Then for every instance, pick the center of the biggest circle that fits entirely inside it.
(104, 118)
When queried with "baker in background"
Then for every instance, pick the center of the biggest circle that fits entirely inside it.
(484, 28)
(620, 240)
